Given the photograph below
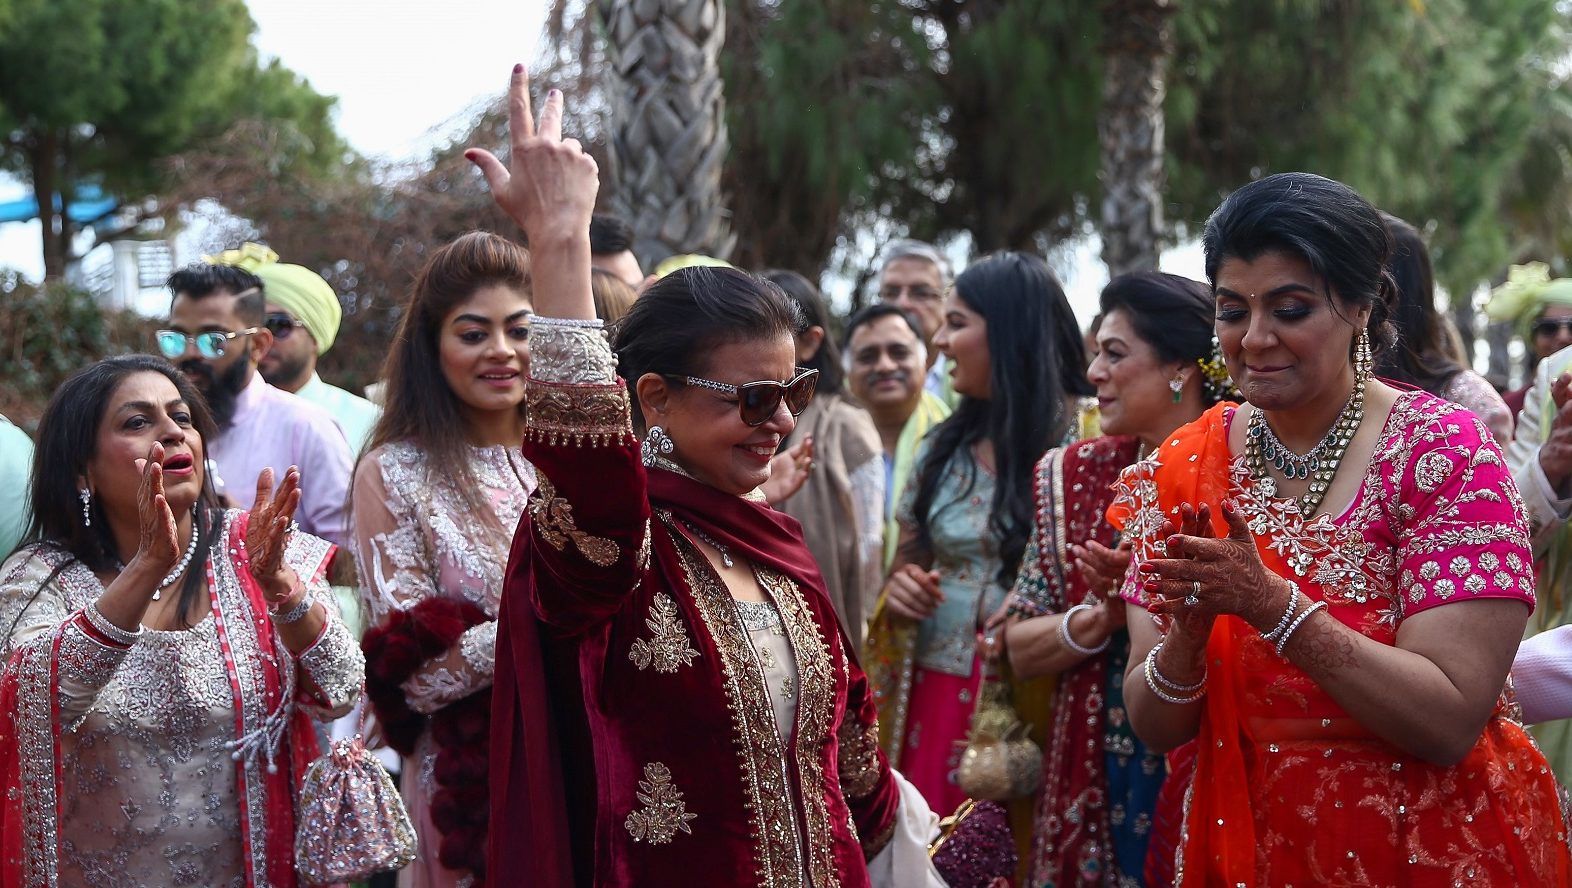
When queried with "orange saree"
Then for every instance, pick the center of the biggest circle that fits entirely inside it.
(1290, 790)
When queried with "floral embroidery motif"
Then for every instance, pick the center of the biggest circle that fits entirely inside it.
(859, 757)
(670, 649)
(596, 415)
(554, 523)
(664, 812)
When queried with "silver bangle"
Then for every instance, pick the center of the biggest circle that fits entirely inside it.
(1155, 681)
(97, 620)
(1070, 642)
(1288, 615)
(580, 323)
(294, 614)
(1294, 626)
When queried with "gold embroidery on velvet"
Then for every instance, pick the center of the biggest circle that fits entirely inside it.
(596, 415)
(669, 649)
(664, 812)
(859, 759)
(871, 849)
(554, 523)
(772, 819)
(815, 719)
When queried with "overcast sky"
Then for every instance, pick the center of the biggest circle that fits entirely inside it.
(401, 71)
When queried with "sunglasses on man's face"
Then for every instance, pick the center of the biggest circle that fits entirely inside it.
(211, 344)
(758, 401)
(1552, 326)
(282, 326)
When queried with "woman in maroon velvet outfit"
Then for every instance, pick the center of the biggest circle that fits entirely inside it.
(675, 703)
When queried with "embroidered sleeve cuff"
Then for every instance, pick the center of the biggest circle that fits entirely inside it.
(335, 665)
(478, 645)
(87, 660)
(570, 352)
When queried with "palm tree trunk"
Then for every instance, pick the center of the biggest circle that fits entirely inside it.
(669, 141)
(1137, 46)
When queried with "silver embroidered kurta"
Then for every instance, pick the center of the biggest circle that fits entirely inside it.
(416, 538)
(148, 790)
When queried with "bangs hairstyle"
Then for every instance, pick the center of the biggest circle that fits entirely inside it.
(680, 320)
(68, 441)
(419, 406)
(1037, 358)
(1172, 314)
(1336, 232)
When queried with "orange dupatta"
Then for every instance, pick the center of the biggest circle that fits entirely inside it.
(1192, 467)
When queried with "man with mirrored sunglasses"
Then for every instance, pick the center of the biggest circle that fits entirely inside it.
(217, 337)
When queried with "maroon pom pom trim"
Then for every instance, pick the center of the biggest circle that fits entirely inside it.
(461, 730)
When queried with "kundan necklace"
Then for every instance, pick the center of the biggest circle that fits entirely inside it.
(1262, 446)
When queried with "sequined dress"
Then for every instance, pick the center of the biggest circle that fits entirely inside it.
(416, 538)
(141, 764)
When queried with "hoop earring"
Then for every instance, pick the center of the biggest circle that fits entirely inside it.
(1176, 385)
(1364, 361)
(656, 444)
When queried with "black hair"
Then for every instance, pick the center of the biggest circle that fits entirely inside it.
(882, 310)
(609, 235)
(827, 360)
(686, 315)
(67, 442)
(200, 280)
(1420, 357)
(1330, 226)
(1037, 358)
(1172, 314)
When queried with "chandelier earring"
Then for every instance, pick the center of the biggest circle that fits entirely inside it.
(1176, 385)
(1364, 361)
(86, 496)
(656, 445)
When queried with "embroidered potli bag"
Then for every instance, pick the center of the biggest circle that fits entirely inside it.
(352, 822)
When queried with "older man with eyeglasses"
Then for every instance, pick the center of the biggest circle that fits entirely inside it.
(303, 314)
(914, 278)
(217, 336)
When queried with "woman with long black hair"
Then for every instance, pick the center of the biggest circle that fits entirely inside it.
(1017, 360)
(164, 655)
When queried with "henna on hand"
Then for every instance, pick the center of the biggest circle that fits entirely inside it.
(1323, 645)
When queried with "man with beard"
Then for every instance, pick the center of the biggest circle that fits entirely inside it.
(217, 337)
(303, 314)
(886, 361)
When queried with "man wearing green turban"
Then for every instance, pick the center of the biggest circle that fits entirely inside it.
(303, 313)
(1541, 310)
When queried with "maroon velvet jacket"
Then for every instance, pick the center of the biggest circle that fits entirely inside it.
(633, 739)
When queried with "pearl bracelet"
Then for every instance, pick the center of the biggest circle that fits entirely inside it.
(1288, 615)
(1070, 642)
(1155, 680)
(97, 620)
(294, 614)
(1292, 627)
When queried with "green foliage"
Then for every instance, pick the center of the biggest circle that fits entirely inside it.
(980, 116)
(105, 91)
(49, 332)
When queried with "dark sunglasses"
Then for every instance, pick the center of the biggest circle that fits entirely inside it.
(281, 325)
(758, 401)
(1552, 326)
(210, 345)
